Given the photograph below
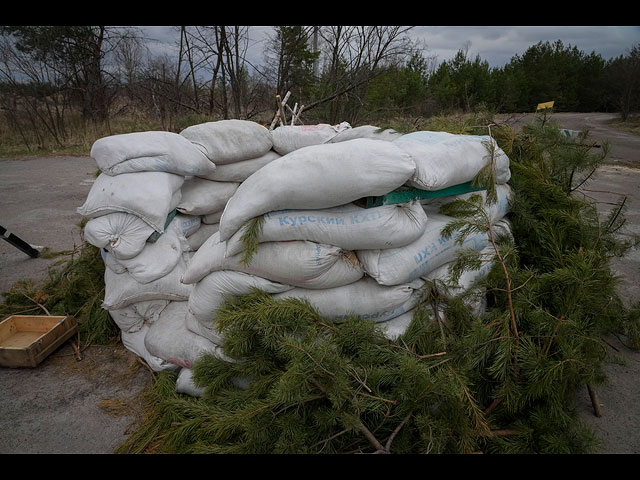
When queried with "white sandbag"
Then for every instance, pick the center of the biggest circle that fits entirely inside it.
(229, 141)
(168, 338)
(476, 300)
(155, 151)
(444, 159)
(123, 234)
(122, 289)
(365, 298)
(212, 218)
(159, 258)
(211, 334)
(196, 240)
(502, 230)
(186, 385)
(201, 196)
(111, 262)
(212, 292)
(347, 226)
(288, 138)
(396, 266)
(366, 131)
(134, 342)
(495, 211)
(132, 317)
(315, 177)
(149, 195)
(187, 224)
(298, 263)
(240, 171)
(397, 326)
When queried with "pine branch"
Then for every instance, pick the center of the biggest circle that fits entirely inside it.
(481, 425)
(251, 239)
(497, 401)
(505, 271)
(318, 364)
(387, 447)
(360, 426)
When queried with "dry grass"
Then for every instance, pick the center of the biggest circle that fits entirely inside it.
(76, 138)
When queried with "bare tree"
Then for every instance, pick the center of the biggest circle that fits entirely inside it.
(221, 51)
(353, 56)
(36, 96)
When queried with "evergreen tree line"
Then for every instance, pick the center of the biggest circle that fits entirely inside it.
(574, 80)
(52, 77)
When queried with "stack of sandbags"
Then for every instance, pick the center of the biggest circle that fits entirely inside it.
(238, 148)
(294, 193)
(152, 206)
(302, 194)
(311, 229)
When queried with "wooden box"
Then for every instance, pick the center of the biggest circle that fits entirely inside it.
(26, 340)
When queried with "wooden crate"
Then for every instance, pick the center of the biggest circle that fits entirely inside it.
(26, 340)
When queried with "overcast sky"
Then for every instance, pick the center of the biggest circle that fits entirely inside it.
(495, 44)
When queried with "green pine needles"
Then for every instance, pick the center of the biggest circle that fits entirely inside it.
(251, 239)
(502, 380)
(75, 286)
(314, 386)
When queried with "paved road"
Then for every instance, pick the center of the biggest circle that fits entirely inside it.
(624, 147)
(40, 197)
(39, 201)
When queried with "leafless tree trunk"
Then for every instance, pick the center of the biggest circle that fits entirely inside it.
(94, 100)
(354, 55)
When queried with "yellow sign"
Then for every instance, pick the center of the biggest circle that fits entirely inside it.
(542, 106)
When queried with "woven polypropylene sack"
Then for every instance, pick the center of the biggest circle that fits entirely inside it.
(229, 141)
(365, 298)
(155, 151)
(123, 234)
(348, 226)
(299, 263)
(395, 266)
(288, 138)
(315, 177)
(444, 159)
(240, 171)
(200, 196)
(168, 338)
(148, 195)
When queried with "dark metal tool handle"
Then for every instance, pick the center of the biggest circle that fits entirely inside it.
(19, 243)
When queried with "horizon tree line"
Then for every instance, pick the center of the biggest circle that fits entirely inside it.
(50, 75)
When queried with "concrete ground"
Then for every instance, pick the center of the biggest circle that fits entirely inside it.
(66, 405)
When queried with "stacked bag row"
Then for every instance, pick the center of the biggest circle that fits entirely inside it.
(157, 198)
(169, 212)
